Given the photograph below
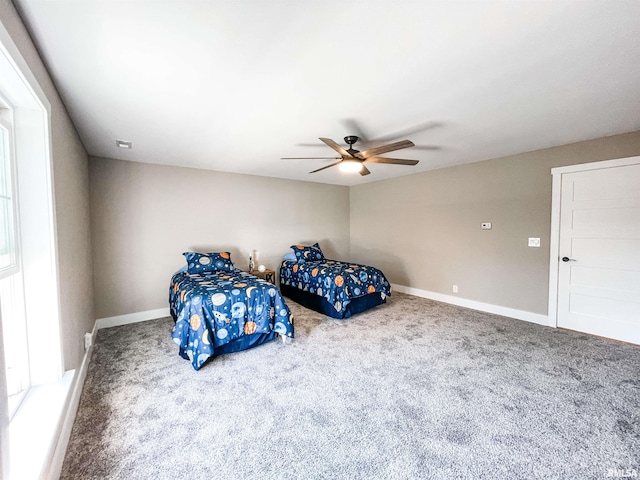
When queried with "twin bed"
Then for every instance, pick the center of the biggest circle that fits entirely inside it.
(333, 288)
(219, 309)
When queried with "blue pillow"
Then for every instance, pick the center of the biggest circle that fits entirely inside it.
(290, 257)
(209, 262)
(308, 253)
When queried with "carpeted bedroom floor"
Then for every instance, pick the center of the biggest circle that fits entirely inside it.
(411, 389)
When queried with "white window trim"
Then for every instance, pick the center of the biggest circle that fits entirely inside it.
(33, 110)
(31, 117)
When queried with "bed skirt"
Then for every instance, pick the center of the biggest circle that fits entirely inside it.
(244, 342)
(320, 304)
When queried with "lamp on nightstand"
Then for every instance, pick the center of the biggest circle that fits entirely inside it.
(253, 260)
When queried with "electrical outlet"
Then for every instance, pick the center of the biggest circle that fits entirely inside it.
(485, 226)
(534, 242)
(455, 289)
(88, 340)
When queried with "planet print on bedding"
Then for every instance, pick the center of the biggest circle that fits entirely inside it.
(337, 282)
(242, 306)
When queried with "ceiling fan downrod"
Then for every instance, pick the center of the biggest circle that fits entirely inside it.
(350, 140)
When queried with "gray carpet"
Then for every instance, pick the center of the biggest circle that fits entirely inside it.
(411, 389)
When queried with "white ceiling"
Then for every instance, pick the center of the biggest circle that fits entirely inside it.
(234, 86)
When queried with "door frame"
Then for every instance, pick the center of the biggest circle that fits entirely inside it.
(554, 241)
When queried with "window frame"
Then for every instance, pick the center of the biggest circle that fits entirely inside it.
(36, 212)
(15, 268)
(6, 123)
(38, 257)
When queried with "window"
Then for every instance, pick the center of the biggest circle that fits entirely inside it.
(7, 214)
(29, 303)
(11, 285)
(29, 299)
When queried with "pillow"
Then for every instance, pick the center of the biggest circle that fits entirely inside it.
(209, 262)
(308, 253)
(290, 257)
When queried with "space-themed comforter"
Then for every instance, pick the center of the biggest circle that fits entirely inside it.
(337, 282)
(221, 312)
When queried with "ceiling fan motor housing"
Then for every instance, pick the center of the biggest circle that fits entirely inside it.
(350, 139)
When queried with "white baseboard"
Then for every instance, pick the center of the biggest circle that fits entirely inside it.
(483, 307)
(118, 320)
(53, 469)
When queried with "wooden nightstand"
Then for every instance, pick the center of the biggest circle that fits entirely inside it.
(268, 275)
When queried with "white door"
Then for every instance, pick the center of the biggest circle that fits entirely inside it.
(599, 253)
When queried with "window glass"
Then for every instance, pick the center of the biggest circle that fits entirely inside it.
(7, 231)
(14, 328)
(12, 307)
(4, 165)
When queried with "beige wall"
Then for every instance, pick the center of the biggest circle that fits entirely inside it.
(423, 230)
(144, 216)
(70, 172)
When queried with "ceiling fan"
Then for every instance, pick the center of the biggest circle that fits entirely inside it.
(352, 160)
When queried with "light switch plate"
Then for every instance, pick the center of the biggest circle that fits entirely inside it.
(534, 242)
(486, 226)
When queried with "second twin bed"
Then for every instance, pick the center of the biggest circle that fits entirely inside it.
(333, 288)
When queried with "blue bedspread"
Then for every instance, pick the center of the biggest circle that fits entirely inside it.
(214, 310)
(337, 282)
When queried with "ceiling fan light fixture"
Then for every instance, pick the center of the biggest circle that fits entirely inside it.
(350, 166)
(352, 160)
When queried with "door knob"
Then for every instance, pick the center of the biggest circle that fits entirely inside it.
(567, 259)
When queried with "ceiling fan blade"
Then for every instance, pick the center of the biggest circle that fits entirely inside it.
(353, 128)
(335, 146)
(309, 158)
(326, 166)
(372, 152)
(311, 145)
(427, 147)
(364, 171)
(409, 131)
(393, 161)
